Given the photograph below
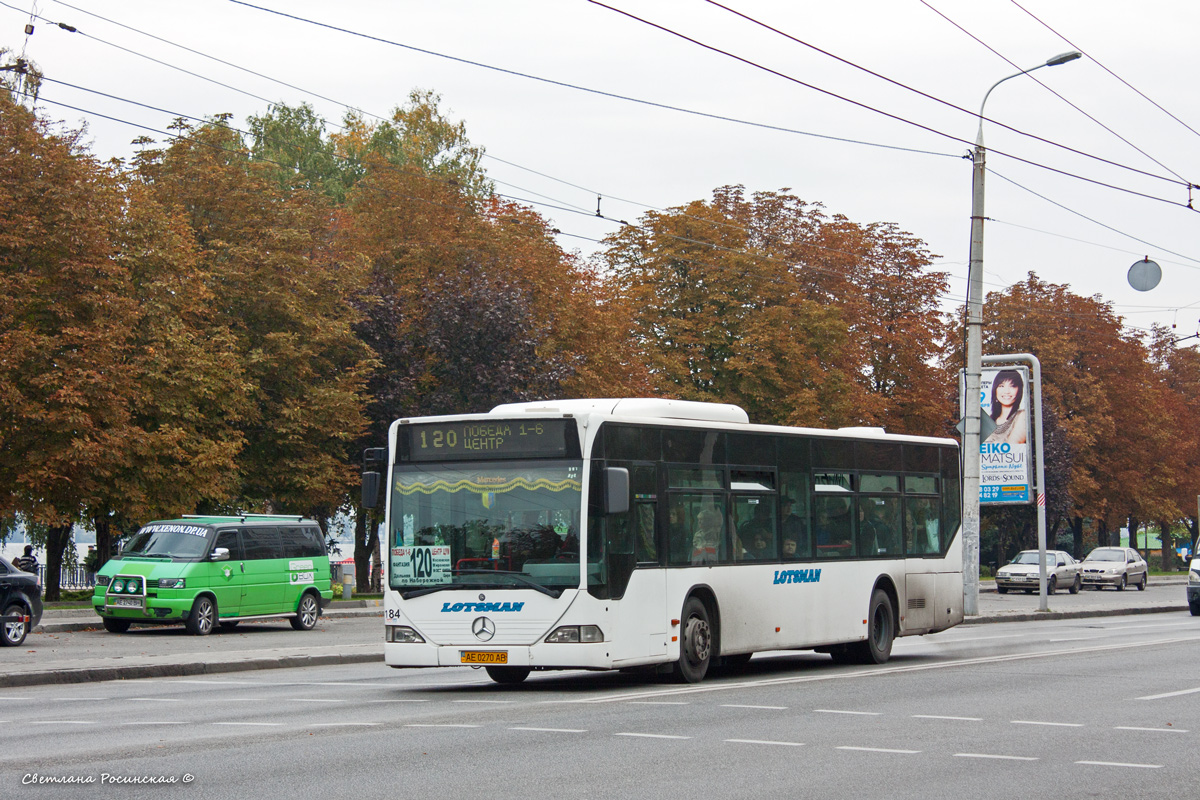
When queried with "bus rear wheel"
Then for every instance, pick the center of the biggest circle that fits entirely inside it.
(695, 645)
(507, 674)
(881, 631)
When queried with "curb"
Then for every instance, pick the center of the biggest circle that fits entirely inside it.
(1041, 615)
(133, 671)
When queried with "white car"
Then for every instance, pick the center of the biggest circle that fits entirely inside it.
(1061, 570)
(1115, 566)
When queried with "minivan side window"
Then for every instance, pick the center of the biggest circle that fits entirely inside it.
(229, 540)
(261, 542)
(301, 542)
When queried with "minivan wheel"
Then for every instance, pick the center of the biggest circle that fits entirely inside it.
(13, 633)
(203, 618)
(113, 625)
(306, 615)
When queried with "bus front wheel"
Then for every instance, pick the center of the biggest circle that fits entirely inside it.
(695, 646)
(881, 631)
(507, 674)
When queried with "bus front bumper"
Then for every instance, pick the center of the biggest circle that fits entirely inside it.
(545, 656)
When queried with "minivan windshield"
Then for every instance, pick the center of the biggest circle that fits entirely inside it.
(165, 540)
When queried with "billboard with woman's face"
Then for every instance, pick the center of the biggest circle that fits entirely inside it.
(1005, 455)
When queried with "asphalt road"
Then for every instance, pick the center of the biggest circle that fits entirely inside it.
(1092, 707)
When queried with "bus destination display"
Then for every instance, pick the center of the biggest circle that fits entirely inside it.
(460, 441)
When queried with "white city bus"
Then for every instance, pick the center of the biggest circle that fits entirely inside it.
(612, 534)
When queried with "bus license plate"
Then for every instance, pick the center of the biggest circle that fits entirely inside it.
(482, 657)
(125, 602)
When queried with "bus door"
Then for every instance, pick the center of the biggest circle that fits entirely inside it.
(634, 548)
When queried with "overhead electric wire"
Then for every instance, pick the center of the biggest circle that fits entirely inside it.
(1034, 78)
(1106, 69)
(881, 112)
(212, 58)
(576, 209)
(790, 264)
(1089, 219)
(376, 116)
(599, 92)
(75, 30)
(948, 104)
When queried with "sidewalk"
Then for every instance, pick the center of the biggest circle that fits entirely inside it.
(70, 646)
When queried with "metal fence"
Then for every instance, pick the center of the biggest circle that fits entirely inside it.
(78, 578)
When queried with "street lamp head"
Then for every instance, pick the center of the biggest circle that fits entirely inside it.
(1063, 58)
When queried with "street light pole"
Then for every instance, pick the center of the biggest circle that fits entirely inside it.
(972, 399)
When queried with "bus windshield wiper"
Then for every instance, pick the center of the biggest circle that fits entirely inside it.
(428, 590)
(520, 576)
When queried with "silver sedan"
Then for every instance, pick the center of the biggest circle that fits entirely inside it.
(1115, 566)
(1062, 570)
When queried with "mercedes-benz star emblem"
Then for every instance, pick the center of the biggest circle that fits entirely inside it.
(483, 628)
(482, 597)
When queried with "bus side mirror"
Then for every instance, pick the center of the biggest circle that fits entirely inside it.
(370, 489)
(616, 490)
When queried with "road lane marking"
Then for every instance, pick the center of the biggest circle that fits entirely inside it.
(764, 741)
(858, 713)
(155, 699)
(1119, 764)
(341, 724)
(1001, 758)
(400, 700)
(253, 724)
(150, 722)
(314, 700)
(551, 730)
(763, 708)
(1169, 694)
(1155, 730)
(880, 671)
(435, 725)
(652, 735)
(486, 702)
(1051, 724)
(878, 750)
(659, 703)
(1076, 639)
(959, 719)
(61, 721)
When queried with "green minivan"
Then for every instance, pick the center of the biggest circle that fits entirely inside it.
(209, 571)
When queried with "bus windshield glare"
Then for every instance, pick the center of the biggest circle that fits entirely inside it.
(512, 524)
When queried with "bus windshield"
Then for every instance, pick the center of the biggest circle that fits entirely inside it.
(486, 525)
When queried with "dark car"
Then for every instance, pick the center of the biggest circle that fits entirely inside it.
(20, 603)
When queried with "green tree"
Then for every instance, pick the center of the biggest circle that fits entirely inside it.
(65, 383)
(284, 300)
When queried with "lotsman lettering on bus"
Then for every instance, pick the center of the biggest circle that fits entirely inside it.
(797, 576)
(479, 608)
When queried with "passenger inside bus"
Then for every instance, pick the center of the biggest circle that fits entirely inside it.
(707, 537)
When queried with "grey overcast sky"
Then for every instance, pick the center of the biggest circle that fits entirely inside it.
(558, 148)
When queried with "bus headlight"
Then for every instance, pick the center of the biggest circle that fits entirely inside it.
(574, 634)
(402, 634)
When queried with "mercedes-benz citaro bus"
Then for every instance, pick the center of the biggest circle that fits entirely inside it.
(207, 571)
(612, 534)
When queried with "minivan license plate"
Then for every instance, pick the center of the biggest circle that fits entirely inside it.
(125, 602)
(482, 657)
